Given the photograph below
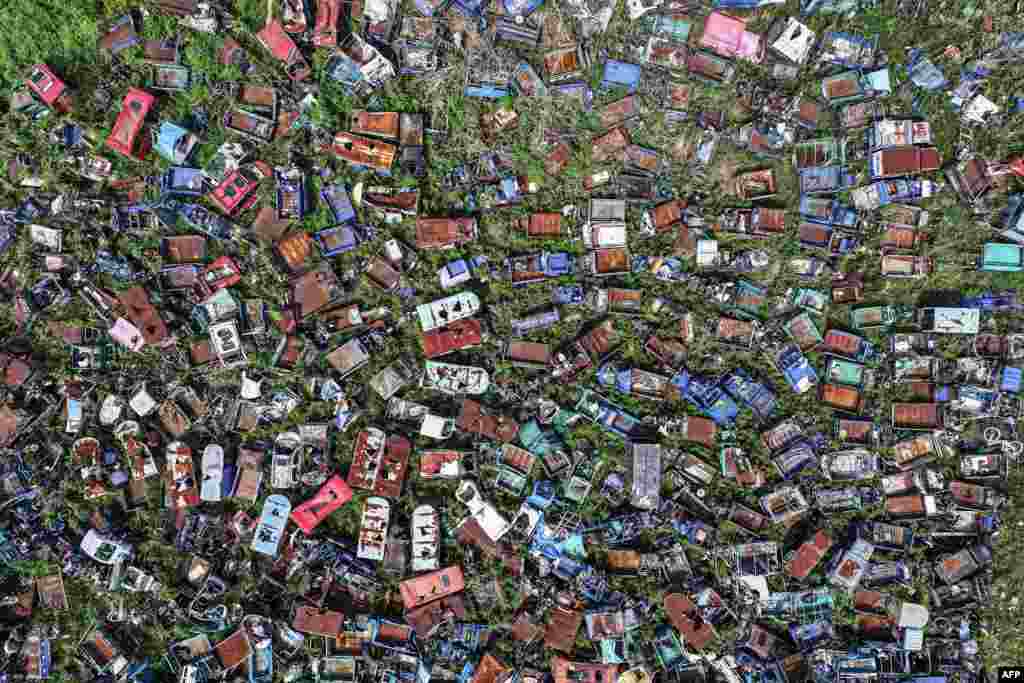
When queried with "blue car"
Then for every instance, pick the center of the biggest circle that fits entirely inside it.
(270, 529)
(706, 396)
(336, 198)
(848, 50)
(796, 369)
(486, 91)
(174, 143)
(825, 179)
(755, 395)
(923, 73)
(567, 295)
(181, 180)
(261, 661)
(621, 75)
(746, 4)
(207, 222)
(827, 210)
(848, 7)
(885, 192)
(993, 301)
(529, 268)
(115, 266)
(521, 7)
(338, 240)
(809, 636)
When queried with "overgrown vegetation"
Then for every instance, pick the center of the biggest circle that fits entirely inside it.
(64, 35)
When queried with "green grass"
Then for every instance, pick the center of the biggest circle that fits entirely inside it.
(65, 34)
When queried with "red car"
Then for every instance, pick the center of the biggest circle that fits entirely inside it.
(274, 38)
(134, 108)
(237, 192)
(362, 151)
(808, 555)
(331, 496)
(445, 233)
(461, 334)
(222, 273)
(50, 89)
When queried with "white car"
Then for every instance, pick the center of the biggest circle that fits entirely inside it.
(213, 473)
(426, 538)
(605, 235)
(105, 550)
(286, 465)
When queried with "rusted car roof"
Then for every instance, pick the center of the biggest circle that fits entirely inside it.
(444, 232)
(524, 630)
(667, 214)
(488, 670)
(686, 618)
(469, 532)
(143, 315)
(565, 671)
(563, 625)
(543, 224)
(319, 623)
(731, 329)
(905, 505)
(623, 560)
(427, 618)
(700, 429)
(426, 588)
(233, 650)
(529, 352)
(600, 340)
(313, 290)
(808, 555)
(473, 419)
(845, 397)
(295, 249)
(916, 414)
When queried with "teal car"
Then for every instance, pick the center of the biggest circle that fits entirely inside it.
(1001, 258)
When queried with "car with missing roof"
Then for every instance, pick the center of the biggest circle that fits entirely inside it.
(103, 549)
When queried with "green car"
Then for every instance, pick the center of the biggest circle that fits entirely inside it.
(804, 331)
(811, 300)
(880, 315)
(842, 371)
